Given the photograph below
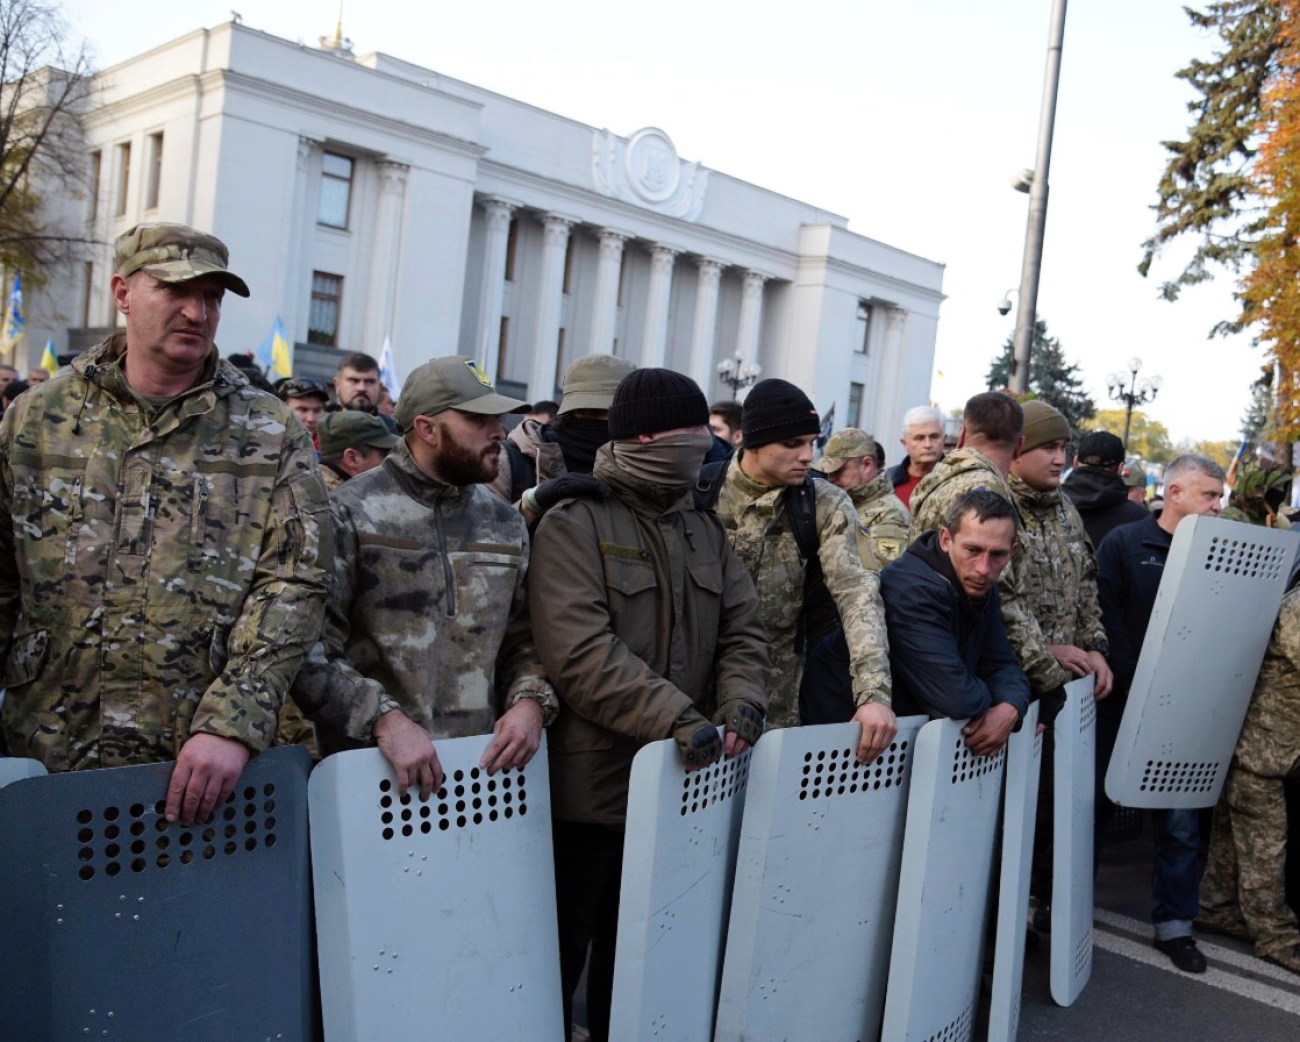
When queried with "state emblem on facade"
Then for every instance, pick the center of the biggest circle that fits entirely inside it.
(645, 170)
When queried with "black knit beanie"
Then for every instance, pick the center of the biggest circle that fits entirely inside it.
(776, 410)
(648, 401)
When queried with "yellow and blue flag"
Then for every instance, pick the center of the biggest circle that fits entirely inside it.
(14, 323)
(275, 356)
(49, 360)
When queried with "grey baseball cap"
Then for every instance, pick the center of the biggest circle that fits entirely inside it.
(455, 382)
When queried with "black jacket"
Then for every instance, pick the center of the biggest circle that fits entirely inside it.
(1101, 497)
(898, 472)
(1130, 565)
(948, 652)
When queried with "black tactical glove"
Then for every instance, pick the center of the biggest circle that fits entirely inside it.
(570, 486)
(698, 739)
(742, 717)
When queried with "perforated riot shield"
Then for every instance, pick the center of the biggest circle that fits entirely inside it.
(1024, 760)
(1073, 802)
(1218, 599)
(679, 859)
(121, 926)
(812, 913)
(943, 893)
(16, 768)
(435, 919)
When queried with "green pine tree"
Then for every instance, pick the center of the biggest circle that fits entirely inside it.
(1051, 377)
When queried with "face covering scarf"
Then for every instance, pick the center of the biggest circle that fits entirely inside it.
(673, 461)
(579, 440)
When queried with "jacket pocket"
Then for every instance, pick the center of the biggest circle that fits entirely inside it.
(26, 659)
(630, 577)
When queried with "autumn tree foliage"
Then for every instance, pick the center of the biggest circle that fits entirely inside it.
(1270, 291)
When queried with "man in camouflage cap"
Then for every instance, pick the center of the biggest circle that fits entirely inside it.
(850, 462)
(426, 631)
(351, 443)
(165, 568)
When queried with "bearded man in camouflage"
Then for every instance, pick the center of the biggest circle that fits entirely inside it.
(164, 565)
(426, 631)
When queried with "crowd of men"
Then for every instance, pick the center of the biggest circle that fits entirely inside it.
(193, 560)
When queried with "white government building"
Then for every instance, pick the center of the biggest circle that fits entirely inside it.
(365, 197)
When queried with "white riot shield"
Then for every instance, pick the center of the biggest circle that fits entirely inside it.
(435, 919)
(812, 913)
(1218, 599)
(1073, 806)
(1024, 761)
(16, 768)
(679, 858)
(943, 892)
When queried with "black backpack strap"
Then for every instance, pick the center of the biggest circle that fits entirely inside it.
(709, 485)
(801, 503)
(523, 472)
(820, 617)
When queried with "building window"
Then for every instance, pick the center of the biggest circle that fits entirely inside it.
(503, 345)
(155, 171)
(335, 191)
(512, 250)
(123, 178)
(855, 405)
(95, 172)
(864, 329)
(326, 298)
(86, 298)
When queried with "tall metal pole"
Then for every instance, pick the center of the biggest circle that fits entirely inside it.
(1028, 299)
(1130, 399)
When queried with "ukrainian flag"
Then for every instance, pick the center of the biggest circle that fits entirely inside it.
(49, 360)
(275, 356)
(14, 323)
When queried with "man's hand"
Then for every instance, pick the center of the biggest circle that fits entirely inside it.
(518, 734)
(1074, 659)
(733, 745)
(987, 734)
(697, 739)
(1105, 682)
(204, 777)
(879, 726)
(410, 750)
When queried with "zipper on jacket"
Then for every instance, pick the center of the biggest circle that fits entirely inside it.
(449, 576)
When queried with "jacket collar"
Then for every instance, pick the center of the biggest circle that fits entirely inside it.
(642, 497)
(878, 486)
(102, 366)
(401, 466)
(1033, 498)
(766, 498)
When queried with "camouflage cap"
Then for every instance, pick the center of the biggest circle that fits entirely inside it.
(455, 382)
(590, 382)
(301, 387)
(350, 429)
(846, 444)
(1134, 476)
(175, 253)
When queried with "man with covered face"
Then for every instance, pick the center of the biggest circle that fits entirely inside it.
(652, 632)
(426, 629)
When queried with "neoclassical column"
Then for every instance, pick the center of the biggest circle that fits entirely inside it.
(751, 315)
(704, 330)
(550, 290)
(604, 308)
(385, 247)
(492, 289)
(654, 338)
(306, 203)
(888, 416)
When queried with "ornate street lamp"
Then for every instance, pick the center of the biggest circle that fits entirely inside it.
(1132, 394)
(736, 373)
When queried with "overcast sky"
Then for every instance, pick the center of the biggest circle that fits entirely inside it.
(909, 118)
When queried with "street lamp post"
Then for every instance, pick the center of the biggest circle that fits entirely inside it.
(736, 373)
(1132, 394)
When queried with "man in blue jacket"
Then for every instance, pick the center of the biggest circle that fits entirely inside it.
(1130, 564)
(948, 650)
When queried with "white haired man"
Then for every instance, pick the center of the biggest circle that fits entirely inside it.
(923, 441)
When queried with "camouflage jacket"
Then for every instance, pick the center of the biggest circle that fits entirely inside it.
(159, 577)
(427, 610)
(962, 471)
(1059, 569)
(758, 526)
(648, 614)
(332, 478)
(884, 520)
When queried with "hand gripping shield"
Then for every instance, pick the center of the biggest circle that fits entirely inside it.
(943, 894)
(437, 918)
(812, 912)
(1218, 599)
(679, 858)
(119, 925)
